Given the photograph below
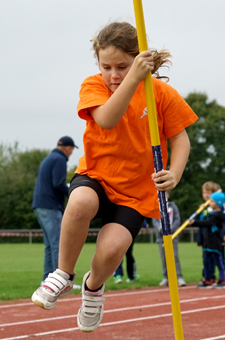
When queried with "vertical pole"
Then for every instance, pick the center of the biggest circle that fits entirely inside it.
(30, 237)
(158, 164)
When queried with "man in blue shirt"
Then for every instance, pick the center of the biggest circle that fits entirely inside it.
(49, 199)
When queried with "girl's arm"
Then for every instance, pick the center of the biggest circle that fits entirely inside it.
(180, 149)
(108, 115)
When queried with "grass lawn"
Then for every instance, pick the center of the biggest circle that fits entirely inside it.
(22, 264)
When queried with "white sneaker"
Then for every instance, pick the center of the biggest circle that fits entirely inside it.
(181, 282)
(164, 282)
(91, 312)
(56, 285)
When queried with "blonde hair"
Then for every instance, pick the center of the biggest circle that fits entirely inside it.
(123, 36)
(211, 186)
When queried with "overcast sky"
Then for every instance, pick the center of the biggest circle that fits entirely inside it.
(46, 54)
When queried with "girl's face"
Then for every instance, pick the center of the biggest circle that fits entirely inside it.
(114, 65)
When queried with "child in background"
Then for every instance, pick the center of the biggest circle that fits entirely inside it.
(174, 216)
(208, 188)
(132, 276)
(115, 179)
(212, 241)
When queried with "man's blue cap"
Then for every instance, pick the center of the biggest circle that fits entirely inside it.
(219, 198)
(67, 141)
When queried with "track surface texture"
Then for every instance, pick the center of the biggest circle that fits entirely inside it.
(129, 315)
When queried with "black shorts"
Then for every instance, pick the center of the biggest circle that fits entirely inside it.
(110, 212)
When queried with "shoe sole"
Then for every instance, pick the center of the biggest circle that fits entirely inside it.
(92, 328)
(41, 303)
(37, 300)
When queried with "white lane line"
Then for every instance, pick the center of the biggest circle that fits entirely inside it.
(118, 323)
(38, 320)
(122, 309)
(121, 293)
(215, 338)
(117, 310)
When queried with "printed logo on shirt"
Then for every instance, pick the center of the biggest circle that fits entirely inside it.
(145, 112)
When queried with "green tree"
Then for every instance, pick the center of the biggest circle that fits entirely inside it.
(207, 157)
(18, 172)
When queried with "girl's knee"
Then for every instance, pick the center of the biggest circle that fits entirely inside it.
(113, 242)
(112, 253)
(83, 203)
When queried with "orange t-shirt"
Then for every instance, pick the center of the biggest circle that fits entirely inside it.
(121, 159)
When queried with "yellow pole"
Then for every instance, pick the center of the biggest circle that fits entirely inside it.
(149, 93)
(155, 141)
(173, 286)
(177, 232)
(192, 217)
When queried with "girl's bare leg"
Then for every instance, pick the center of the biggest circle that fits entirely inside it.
(82, 206)
(112, 244)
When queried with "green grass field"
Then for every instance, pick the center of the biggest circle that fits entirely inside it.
(22, 264)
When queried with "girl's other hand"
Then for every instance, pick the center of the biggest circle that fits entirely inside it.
(164, 180)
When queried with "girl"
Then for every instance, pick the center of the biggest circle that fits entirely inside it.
(115, 179)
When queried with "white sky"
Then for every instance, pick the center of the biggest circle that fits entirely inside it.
(46, 54)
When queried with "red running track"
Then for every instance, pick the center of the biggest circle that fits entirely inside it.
(129, 315)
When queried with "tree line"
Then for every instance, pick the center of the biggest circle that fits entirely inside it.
(206, 162)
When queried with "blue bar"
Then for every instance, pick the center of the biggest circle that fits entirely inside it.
(158, 164)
